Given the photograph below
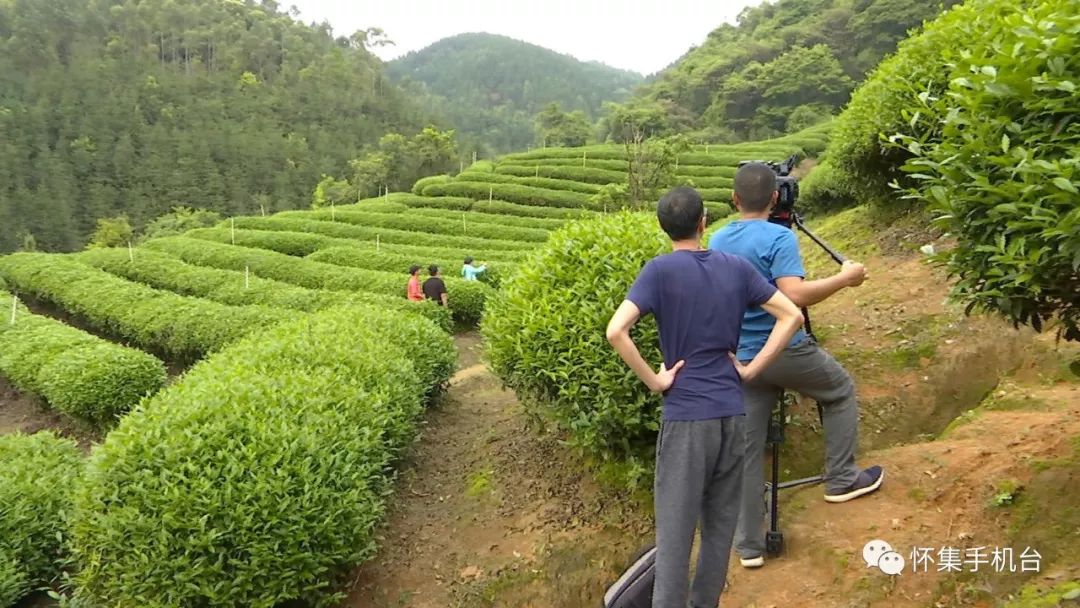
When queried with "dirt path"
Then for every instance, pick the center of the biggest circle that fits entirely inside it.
(481, 503)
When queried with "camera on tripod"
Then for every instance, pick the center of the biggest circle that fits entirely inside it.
(787, 188)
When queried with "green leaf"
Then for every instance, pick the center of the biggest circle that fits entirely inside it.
(1005, 143)
(1065, 184)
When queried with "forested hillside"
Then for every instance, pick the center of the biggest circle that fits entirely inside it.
(785, 66)
(134, 107)
(490, 87)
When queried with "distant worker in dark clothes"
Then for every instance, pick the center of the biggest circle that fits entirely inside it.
(434, 288)
(471, 272)
(414, 292)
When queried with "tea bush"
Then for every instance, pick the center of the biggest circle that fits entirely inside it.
(1000, 168)
(544, 332)
(883, 105)
(178, 327)
(158, 269)
(506, 208)
(397, 262)
(467, 297)
(474, 216)
(458, 203)
(434, 227)
(579, 174)
(305, 243)
(539, 182)
(418, 187)
(514, 193)
(370, 233)
(261, 477)
(36, 474)
(75, 372)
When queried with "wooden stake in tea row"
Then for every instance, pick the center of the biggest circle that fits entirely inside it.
(14, 307)
(232, 229)
(247, 277)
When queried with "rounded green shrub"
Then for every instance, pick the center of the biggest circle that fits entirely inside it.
(515, 193)
(418, 187)
(544, 333)
(1000, 166)
(825, 189)
(261, 477)
(506, 208)
(474, 216)
(36, 475)
(75, 372)
(539, 182)
(882, 106)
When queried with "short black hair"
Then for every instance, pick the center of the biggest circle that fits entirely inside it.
(679, 212)
(755, 184)
(468, 260)
(433, 269)
(414, 269)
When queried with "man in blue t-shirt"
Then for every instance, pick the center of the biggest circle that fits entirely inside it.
(803, 366)
(698, 298)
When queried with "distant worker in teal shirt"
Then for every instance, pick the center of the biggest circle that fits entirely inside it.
(471, 272)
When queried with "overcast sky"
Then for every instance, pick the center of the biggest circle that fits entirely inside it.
(639, 35)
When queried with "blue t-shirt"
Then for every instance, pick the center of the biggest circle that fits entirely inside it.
(469, 271)
(774, 251)
(698, 299)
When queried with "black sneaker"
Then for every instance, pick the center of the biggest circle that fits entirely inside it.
(868, 481)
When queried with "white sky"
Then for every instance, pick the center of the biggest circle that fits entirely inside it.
(640, 35)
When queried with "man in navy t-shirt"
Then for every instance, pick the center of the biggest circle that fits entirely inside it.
(774, 251)
(698, 298)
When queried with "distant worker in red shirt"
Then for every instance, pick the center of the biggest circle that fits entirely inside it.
(415, 293)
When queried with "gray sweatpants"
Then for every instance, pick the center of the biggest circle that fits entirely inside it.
(699, 469)
(808, 369)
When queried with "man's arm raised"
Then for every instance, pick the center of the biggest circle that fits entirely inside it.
(808, 293)
(618, 334)
(788, 321)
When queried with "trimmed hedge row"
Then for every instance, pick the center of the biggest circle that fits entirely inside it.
(539, 182)
(399, 262)
(75, 372)
(181, 328)
(261, 477)
(418, 187)
(305, 243)
(164, 271)
(432, 226)
(579, 174)
(716, 195)
(716, 153)
(466, 297)
(525, 195)
(370, 233)
(593, 163)
(36, 474)
(472, 217)
(493, 206)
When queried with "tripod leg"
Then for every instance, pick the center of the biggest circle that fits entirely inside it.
(774, 538)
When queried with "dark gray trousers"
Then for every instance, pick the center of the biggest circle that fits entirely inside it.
(699, 469)
(808, 369)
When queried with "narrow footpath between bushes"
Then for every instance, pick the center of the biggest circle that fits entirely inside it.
(480, 506)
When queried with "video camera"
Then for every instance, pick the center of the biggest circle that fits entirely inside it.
(787, 188)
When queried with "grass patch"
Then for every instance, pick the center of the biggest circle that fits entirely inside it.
(479, 484)
(1034, 595)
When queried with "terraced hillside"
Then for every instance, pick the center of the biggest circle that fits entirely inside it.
(571, 177)
(268, 370)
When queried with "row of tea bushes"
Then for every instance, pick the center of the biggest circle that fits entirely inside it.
(36, 474)
(433, 228)
(466, 297)
(261, 477)
(373, 234)
(75, 372)
(401, 263)
(491, 206)
(163, 271)
(180, 328)
(514, 193)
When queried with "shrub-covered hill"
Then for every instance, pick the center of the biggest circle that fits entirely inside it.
(489, 87)
(110, 108)
(785, 65)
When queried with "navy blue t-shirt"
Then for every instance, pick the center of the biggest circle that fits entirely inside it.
(698, 299)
